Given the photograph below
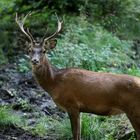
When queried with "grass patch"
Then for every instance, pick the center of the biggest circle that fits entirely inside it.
(63, 129)
(8, 118)
(104, 128)
(52, 128)
(40, 127)
(92, 127)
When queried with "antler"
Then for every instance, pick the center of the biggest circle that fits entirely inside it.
(56, 32)
(21, 25)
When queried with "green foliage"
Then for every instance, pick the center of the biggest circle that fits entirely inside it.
(133, 71)
(63, 129)
(119, 17)
(129, 20)
(92, 127)
(104, 128)
(91, 47)
(23, 65)
(132, 137)
(8, 118)
(2, 58)
(52, 128)
(41, 126)
(23, 105)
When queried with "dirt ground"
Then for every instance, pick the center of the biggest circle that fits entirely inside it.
(16, 87)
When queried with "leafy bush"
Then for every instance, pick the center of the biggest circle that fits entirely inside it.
(120, 17)
(23, 65)
(91, 47)
(133, 71)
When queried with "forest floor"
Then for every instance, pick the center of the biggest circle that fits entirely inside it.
(15, 133)
(20, 91)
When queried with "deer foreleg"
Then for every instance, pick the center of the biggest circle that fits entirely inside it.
(74, 116)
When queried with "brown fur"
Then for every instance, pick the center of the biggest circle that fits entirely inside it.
(76, 90)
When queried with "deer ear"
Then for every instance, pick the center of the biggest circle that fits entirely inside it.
(52, 43)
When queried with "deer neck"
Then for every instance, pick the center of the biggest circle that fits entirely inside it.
(44, 75)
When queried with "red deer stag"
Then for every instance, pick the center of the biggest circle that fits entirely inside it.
(78, 90)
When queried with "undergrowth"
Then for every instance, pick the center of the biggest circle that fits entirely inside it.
(89, 46)
(92, 127)
(9, 118)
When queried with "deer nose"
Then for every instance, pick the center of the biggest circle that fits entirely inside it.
(35, 61)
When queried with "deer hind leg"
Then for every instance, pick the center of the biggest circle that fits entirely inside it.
(134, 118)
(74, 116)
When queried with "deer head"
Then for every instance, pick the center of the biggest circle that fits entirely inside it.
(37, 49)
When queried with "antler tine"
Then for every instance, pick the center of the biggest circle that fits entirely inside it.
(57, 31)
(30, 34)
(21, 25)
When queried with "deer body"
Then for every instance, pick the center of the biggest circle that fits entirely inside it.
(86, 90)
(76, 90)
